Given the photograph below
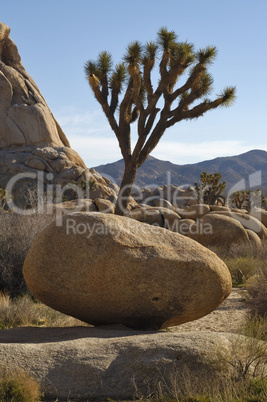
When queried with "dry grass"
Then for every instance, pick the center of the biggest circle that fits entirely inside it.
(243, 268)
(18, 387)
(238, 373)
(248, 267)
(243, 262)
(199, 388)
(16, 236)
(23, 311)
(257, 294)
(19, 312)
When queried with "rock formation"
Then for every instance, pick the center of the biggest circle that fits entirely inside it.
(82, 363)
(31, 139)
(106, 269)
(25, 118)
(210, 225)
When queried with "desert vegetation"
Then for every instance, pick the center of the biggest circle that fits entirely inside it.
(240, 371)
(210, 189)
(18, 386)
(248, 199)
(16, 235)
(26, 311)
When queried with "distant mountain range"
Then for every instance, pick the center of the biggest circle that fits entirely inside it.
(232, 168)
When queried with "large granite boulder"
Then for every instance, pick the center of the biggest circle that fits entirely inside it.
(107, 269)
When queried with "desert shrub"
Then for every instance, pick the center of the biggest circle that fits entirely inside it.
(18, 387)
(255, 327)
(242, 268)
(16, 236)
(243, 262)
(257, 294)
(241, 250)
(248, 199)
(238, 371)
(245, 357)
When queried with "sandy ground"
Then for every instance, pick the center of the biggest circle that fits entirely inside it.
(227, 318)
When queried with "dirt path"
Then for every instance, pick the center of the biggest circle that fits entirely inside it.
(227, 318)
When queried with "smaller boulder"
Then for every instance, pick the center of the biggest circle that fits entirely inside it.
(218, 230)
(147, 214)
(247, 221)
(261, 215)
(254, 239)
(183, 226)
(194, 211)
(160, 202)
(104, 206)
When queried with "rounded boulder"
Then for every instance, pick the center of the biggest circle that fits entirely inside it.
(106, 269)
(218, 230)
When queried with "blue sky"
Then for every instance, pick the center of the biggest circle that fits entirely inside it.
(56, 37)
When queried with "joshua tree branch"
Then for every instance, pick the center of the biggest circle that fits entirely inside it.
(197, 71)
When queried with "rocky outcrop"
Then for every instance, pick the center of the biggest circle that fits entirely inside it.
(206, 223)
(84, 363)
(106, 269)
(25, 118)
(34, 151)
(58, 173)
(166, 196)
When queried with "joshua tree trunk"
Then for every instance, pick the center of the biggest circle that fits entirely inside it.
(126, 187)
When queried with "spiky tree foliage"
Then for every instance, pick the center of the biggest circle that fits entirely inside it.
(209, 191)
(139, 101)
(248, 199)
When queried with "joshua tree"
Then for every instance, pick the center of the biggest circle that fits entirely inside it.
(142, 103)
(248, 199)
(209, 191)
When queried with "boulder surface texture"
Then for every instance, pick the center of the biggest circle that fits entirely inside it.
(107, 269)
(84, 363)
